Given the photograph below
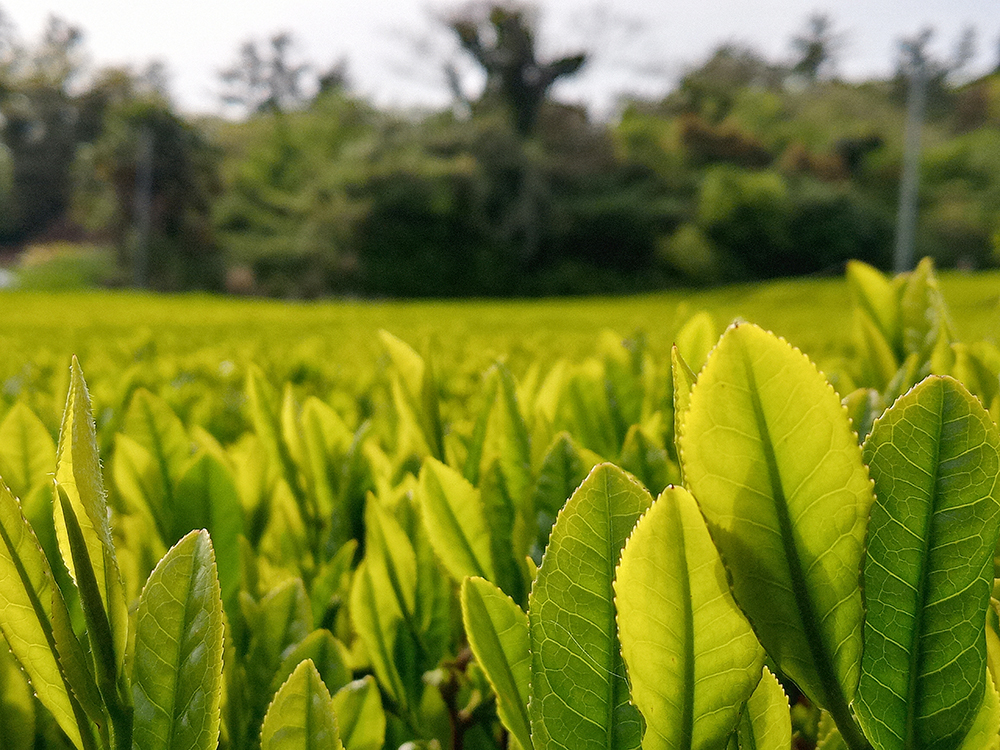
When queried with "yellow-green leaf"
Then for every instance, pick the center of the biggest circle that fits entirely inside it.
(455, 521)
(935, 458)
(27, 598)
(579, 695)
(177, 668)
(27, 452)
(78, 476)
(301, 716)
(360, 716)
(692, 659)
(497, 630)
(766, 724)
(769, 454)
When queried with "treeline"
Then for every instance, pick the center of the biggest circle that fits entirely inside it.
(748, 168)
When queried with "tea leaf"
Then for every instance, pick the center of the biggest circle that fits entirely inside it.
(498, 635)
(692, 659)
(177, 672)
(768, 452)
(377, 619)
(935, 458)
(327, 654)
(78, 475)
(27, 452)
(766, 724)
(153, 424)
(645, 459)
(878, 300)
(206, 497)
(985, 728)
(301, 716)
(455, 521)
(579, 694)
(17, 707)
(27, 598)
(683, 379)
(360, 716)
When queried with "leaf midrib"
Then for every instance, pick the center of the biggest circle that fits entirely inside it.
(612, 625)
(158, 451)
(508, 671)
(176, 677)
(687, 718)
(456, 524)
(829, 685)
(923, 580)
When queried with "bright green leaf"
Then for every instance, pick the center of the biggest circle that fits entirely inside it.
(505, 439)
(923, 315)
(579, 694)
(934, 457)
(645, 459)
(878, 299)
(153, 424)
(692, 659)
(27, 452)
(301, 716)
(497, 630)
(878, 362)
(390, 556)
(683, 379)
(265, 412)
(325, 438)
(78, 474)
(563, 469)
(206, 498)
(864, 406)
(17, 707)
(985, 731)
(510, 536)
(177, 670)
(27, 598)
(276, 623)
(769, 454)
(766, 724)
(408, 363)
(378, 623)
(455, 521)
(329, 656)
(695, 339)
(360, 716)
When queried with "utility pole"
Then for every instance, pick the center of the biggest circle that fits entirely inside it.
(143, 206)
(906, 217)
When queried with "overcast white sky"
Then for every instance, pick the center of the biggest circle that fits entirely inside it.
(382, 39)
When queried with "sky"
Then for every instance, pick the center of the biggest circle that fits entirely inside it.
(395, 49)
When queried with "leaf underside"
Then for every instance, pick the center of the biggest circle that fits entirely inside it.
(934, 458)
(768, 452)
(579, 694)
(692, 659)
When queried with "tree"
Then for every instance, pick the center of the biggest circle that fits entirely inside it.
(39, 125)
(816, 48)
(501, 40)
(140, 136)
(265, 80)
(711, 89)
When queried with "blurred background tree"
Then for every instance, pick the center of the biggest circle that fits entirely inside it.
(816, 48)
(265, 79)
(501, 39)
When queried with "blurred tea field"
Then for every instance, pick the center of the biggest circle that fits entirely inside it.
(186, 346)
